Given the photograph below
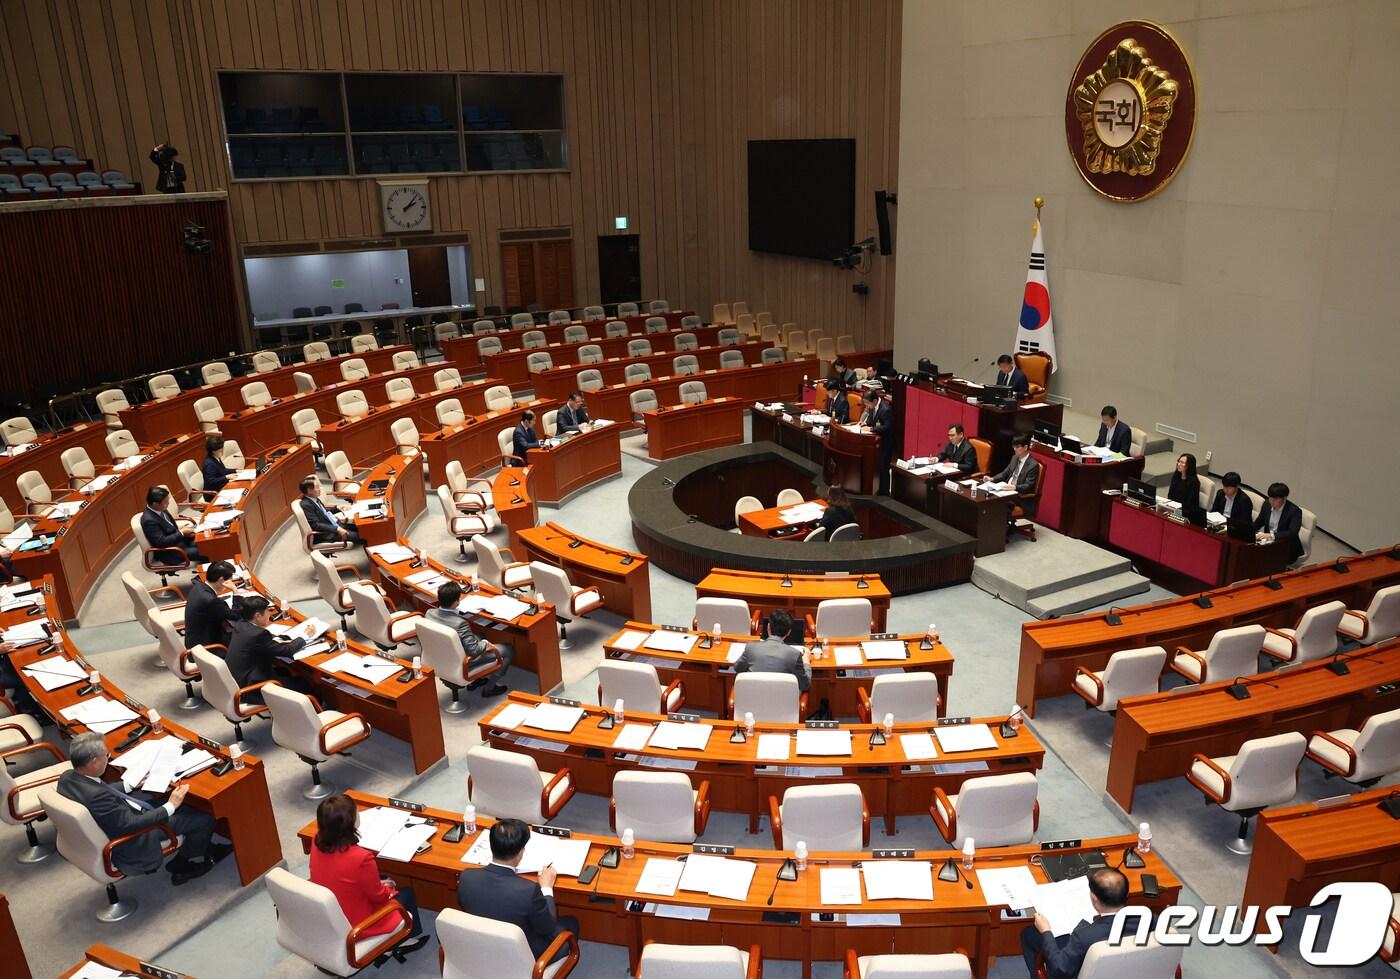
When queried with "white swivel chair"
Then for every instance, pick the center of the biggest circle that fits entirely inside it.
(77, 464)
(469, 941)
(83, 844)
(817, 534)
(533, 339)
(685, 341)
(691, 322)
(693, 392)
(111, 402)
(570, 602)
(463, 526)
(946, 965)
(590, 380)
(222, 692)
(593, 313)
(1314, 637)
(233, 455)
(305, 382)
(732, 614)
(828, 818)
(19, 794)
(354, 369)
(163, 386)
(549, 422)
(352, 404)
(638, 687)
(685, 365)
(1380, 621)
(399, 389)
(1264, 773)
(312, 926)
(826, 349)
(558, 317)
(192, 482)
(363, 343)
(640, 347)
(746, 504)
(315, 735)
(498, 568)
(151, 557)
(446, 379)
(468, 495)
(615, 328)
(404, 432)
(772, 698)
(721, 313)
(642, 401)
(911, 697)
(375, 620)
(539, 361)
(450, 412)
(38, 498)
(215, 373)
(333, 583)
(488, 346)
(845, 344)
(480, 327)
(1231, 653)
(575, 334)
(316, 350)
(305, 425)
(121, 445)
(847, 531)
(655, 324)
(636, 373)
(143, 602)
(443, 654)
(731, 360)
(772, 355)
(660, 807)
(498, 398)
(508, 785)
(175, 656)
(1129, 673)
(660, 961)
(994, 810)
(789, 497)
(659, 306)
(309, 544)
(1305, 536)
(1127, 961)
(797, 343)
(405, 360)
(590, 353)
(520, 320)
(728, 337)
(344, 483)
(1362, 757)
(442, 332)
(208, 412)
(16, 729)
(505, 442)
(264, 361)
(843, 618)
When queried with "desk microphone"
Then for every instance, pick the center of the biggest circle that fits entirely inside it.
(1240, 689)
(1111, 616)
(1339, 667)
(959, 371)
(1203, 601)
(1272, 583)
(667, 481)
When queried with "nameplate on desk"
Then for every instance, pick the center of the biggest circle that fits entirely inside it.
(893, 853)
(675, 628)
(264, 469)
(884, 635)
(158, 973)
(1388, 688)
(405, 804)
(385, 654)
(565, 702)
(563, 832)
(61, 532)
(822, 725)
(1050, 845)
(948, 721)
(210, 743)
(716, 849)
(683, 718)
(135, 705)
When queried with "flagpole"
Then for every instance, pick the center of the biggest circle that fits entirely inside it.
(1039, 203)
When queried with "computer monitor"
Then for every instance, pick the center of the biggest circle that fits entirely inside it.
(1047, 428)
(1045, 438)
(1141, 490)
(997, 394)
(1069, 443)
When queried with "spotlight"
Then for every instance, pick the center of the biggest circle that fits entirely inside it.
(195, 242)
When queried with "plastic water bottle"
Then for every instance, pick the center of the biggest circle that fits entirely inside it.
(799, 855)
(417, 667)
(714, 633)
(340, 640)
(153, 719)
(1144, 838)
(618, 708)
(748, 723)
(469, 819)
(969, 851)
(629, 844)
(889, 725)
(932, 634)
(476, 583)
(95, 680)
(235, 755)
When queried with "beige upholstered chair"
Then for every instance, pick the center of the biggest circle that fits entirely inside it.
(691, 322)
(740, 308)
(693, 392)
(174, 655)
(333, 583)
(637, 686)
(642, 401)
(505, 441)
(208, 412)
(442, 332)
(399, 389)
(994, 810)
(309, 544)
(730, 359)
(468, 941)
(640, 347)
(636, 373)
(1362, 757)
(570, 601)
(772, 355)
(316, 350)
(946, 965)
(1314, 637)
(312, 926)
(789, 497)
(315, 735)
(655, 324)
(1264, 773)
(447, 379)
(549, 423)
(746, 504)
(19, 793)
(699, 962)
(845, 344)
(772, 698)
(306, 423)
(1127, 961)
(558, 317)
(1379, 622)
(143, 602)
(685, 341)
(443, 654)
(590, 353)
(215, 373)
(110, 403)
(684, 365)
(255, 394)
(532, 339)
(590, 380)
(77, 464)
(405, 360)
(732, 615)
(660, 306)
(828, 818)
(377, 622)
(151, 557)
(659, 807)
(488, 346)
(468, 494)
(728, 337)
(615, 328)
(352, 404)
(354, 369)
(627, 309)
(1129, 673)
(577, 333)
(1231, 653)
(592, 313)
(264, 361)
(222, 692)
(844, 618)
(163, 386)
(539, 361)
(462, 526)
(521, 320)
(746, 324)
(404, 432)
(305, 382)
(498, 397)
(481, 327)
(911, 697)
(508, 785)
(450, 412)
(769, 333)
(498, 568)
(38, 497)
(721, 314)
(344, 481)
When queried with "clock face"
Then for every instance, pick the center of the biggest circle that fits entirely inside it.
(406, 209)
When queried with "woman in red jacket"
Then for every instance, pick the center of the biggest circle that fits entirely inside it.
(349, 871)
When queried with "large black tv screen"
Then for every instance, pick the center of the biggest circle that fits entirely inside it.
(802, 196)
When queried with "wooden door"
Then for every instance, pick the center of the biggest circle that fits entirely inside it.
(428, 276)
(538, 273)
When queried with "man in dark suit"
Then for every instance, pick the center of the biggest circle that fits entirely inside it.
(1113, 434)
(208, 615)
(573, 416)
(959, 450)
(162, 531)
(323, 520)
(118, 813)
(474, 647)
(1022, 472)
(497, 892)
(1280, 519)
(252, 650)
(523, 439)
(1233, 502)
(774, 655)
(879, 420)
(216, 474)
(1011, 376)
(1108, 893)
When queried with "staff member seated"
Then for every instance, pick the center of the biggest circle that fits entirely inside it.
(349, 871)
(497, 892)
(838, 510)
(959, 450)
(208, 616)
(1230, 501)
(774, 655)
(573, 417)
(216, 474)
(1186, 486)
(475, 648)
(119, 813)
(253, 650)
(1280, 519)
(161, 530)
(1011, 376)
(524, 438)
(1108, 893)
(1113, 434)
(878, 419)
(325, 521)
(1021, 472)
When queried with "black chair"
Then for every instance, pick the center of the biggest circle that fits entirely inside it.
(301, 311)
(324, 311)
(354, 308)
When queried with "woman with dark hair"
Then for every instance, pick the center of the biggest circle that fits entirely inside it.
(216, 474)
(1186, 487)
(339, 863)
(838, 510)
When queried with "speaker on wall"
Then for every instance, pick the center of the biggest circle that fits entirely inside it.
(883, 200)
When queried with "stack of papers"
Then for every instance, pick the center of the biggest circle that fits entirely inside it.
(308, 629)
(554, 717)
(566, 856)
(501, 607)
(828, 742)
(371, 669)
(98, 484)
(130, 462)
(22, 532)
(965, 737)
(24, 633)
(55, 672)
(736, 649)
(155, 763)
(62, 511)
(244, 475)
(428, 579)
(718, 876)
(884, 649)
(630, 639)
(228, 497)
(96, 970)
(14, 450)
(366, 508)
(633, 737)
(392, 553)
(1215, 519)
(671, 642)
(1013, 886)
(218, 519)
(918, 747)
(510, 717)
(898, 880)
(773, 747)
(840, 885)
(847, 656)
(1065, 904)
(395, 834)
(660, 876)
(802, 513)
(675, 736)
(14, 597)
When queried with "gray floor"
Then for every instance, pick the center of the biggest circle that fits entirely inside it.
(204, 928)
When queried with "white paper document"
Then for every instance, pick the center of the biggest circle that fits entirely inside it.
(718, 876)
(918, 747)
(100, 714)
(671, 642)
(479, 853)
(680, 911)
(847, 656)
(244, 476)
(965, 737)
(98, 485)
(633, 737)
(810, 742)
(392, 552)
(306, 652)
(55, 672)
(884, 649)
(675, 764)
(1013, 886)
(1065, 904)
(501, 607)
(405, 842)
(904, 880)
(23, 633)
(554, 717)
(630, 639)
(675, 735)
(165, 766)
(774, 747)
(840, 885)
(736, 650)
(510, 717)
(371, 669)
(660, 877)
(228, 497)
(96, 970)
(566, 856)
(22, 532)
(136, 762)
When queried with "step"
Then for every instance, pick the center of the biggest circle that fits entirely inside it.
(1051, 563)
(1088, 595)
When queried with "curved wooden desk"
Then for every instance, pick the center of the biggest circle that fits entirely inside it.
(1156, 737)
(473, 443)
(847, 459)
(613, 911)
(709, 676)
(623, 577)
(562, 378)
(238, 801)
(370, 437)
(1053, 650)
(695, 427)
(265, 504)
(764, 382)
(514, 364)
(930, 407)
(113, 959)
(510, 495)
(46, 457)
(462, 352)
(769, 523)
(576, 462)
(11, 952)
(801, 596)
(403, 493)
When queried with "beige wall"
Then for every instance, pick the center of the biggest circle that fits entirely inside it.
(661, 96)
(1252, 301)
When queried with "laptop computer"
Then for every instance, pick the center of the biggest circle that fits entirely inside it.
(1142, 491)
(1068, 443)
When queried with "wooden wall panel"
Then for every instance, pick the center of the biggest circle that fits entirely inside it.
(661, 97)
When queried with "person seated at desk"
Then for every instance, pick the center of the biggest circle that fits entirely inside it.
(324, 520)
(1113, 435)
(1021, 472)
(119, 813)
(877, 418)
(1280, 519)
(774, 655)
(253, 650)
(349, 871)
(497, 892)
(216, 474)
(161, 530)
(1232, 502)
(1064, 957)
(208, 616)
(1186, 486)
(838, 510)
(959, 450)
(7, 566)
(1011, 376)
(842, 378)
(838, 405)
(474, 647)
(524, 438)
(573, 417)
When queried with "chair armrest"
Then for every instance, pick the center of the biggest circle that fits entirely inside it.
(8, 704)
(170, 846)
(16, 727)
(352, 938)
(1098, 684)
(1292, 645)
(851, 969)
(1201, 660)
(755, 962)
(560, 776)
(802, 701)
(1348, 749)
(679, 687)
(702, 807)
(250, 710)
(864, 821)
(574, 599)
(1035, 815)
(185, 561)
(400, 616)
(321, 736)
(811, 623)
(188, 669)
(949, 830)
(775, 817)
(1224, 776)
(28, 786)
(514, 564)
(1393, 926)
(567, 965)
(863, 705)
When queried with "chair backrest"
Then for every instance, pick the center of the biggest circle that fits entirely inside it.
(693, 392)
(208, 411)
(591, 313)
(446, 331)
(540, 360)
(789, 497)
(110, 402)
(216, 683)
(730, 359)
(18, 431)
(406, 360)
(305, 382)
(505, 784)
(911, 697)
(769, 333)
(163, 386)
(691, 322)
(490, 564)
(316, 350)
(590, 380)
(533, 338)
(817, 535)
(643, 401)
(399, 389)
(1133, 673)
(640, 347)
(732, 614)
(1105, 961)
(746, 324)
(825, 817)
(446, 379)
(549, 422)
(352, 404)
(33, 487)
(771, 697)
(655, 324)
(216, 373)
(505, 441)
(844, 618)
(1377, 746)
(557, 316)
(371, 613)
(1139, 443)
(255, 393)
(1383, 614)
(295, 725)
(721, 314)
(685, 364)
(656, 806)
(1233, 652)
(553, 583)
(615, 328)
(310, 922)
(305, 423)
(141, 601)
(590, 353)
(519, 320)
(728, 337)
(1305, 533)
(1036, 367)
(773, 355)
(450, 412)
(469, 941)
(77, 463)
(635, 373)
(498, 397)
(746, 504)
(1207, 494)
(79, 838)
(661, 961)
(190, 475)
(480, 327)
(363, 342)
(826, 349)
(660, 306)
(575, 334)
(487, 346)
(121, 444)
(328, 581)
(405, 433)
(1265, 772)
(635, 684)
(627, 309)
(1317, 631)
(233, 454)
(997, 810)
(686, 341)
(440, 645)
(797, 342)
(354, 369)
(264, 361)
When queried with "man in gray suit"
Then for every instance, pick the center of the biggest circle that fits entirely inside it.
(1022, 472)
(774, 655)
(476, 648)
(1108, 893)
(119, 813)
(497, 892)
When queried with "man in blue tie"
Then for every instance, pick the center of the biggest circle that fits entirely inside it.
(162, 532)
(324, 520)
(120, 813)
(523, 439)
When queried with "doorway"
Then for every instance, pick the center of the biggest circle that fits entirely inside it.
(619, 268)
(428, 276)
(538, 274)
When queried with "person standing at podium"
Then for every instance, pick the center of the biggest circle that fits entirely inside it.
(1231, 502)
(877, 419)
(1011, 376)
(1113, 434)
(523, 439)
(959, 450)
